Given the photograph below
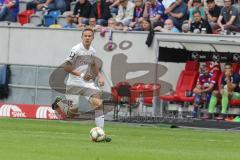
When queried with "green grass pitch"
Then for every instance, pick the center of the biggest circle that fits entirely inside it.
(22, 139)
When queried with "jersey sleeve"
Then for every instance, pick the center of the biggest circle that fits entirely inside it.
(199, 81)
(72, 56)
(214, 76)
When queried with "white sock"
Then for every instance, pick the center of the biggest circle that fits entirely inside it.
(100, 121)
(99, 118)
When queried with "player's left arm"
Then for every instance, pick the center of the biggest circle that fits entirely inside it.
(98, 73)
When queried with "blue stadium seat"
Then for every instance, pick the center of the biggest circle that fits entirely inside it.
(51, 18)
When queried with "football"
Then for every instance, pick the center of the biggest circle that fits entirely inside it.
(97, 134)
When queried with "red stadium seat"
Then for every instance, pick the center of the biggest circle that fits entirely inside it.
(115, 96)
(122, 90)
(192, 66)
(24, 17)
(151, 90)
(186, 81)
(136, 90)
(144, 94)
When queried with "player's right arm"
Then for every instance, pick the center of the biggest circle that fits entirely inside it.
(69, 67)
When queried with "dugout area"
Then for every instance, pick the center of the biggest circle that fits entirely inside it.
(200, 51)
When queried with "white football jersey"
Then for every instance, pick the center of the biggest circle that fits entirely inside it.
(80, 57)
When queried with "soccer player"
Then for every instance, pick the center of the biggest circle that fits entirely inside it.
(204, 88)
(83, 82)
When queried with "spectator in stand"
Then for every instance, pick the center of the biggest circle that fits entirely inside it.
(177, 12)
(101, 11)
(48, 4)
(111, 24)
(125, 12)
(212, 12)
(137, 15)
(230, 16)
(9, 10)
(229, 90)
(70, 22)
(146, 25)
(197, 6)
(154, 10)
(200, 25)
(93, 24)
(185, 27)
(168, 27)
(82, 12)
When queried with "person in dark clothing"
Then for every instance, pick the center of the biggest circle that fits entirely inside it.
(212, 12)
(101, 11)
(200, 25)
(82, 11)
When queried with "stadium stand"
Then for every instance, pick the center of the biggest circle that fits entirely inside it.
(175, 10)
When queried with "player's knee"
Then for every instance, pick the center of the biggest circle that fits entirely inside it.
(96, 102)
